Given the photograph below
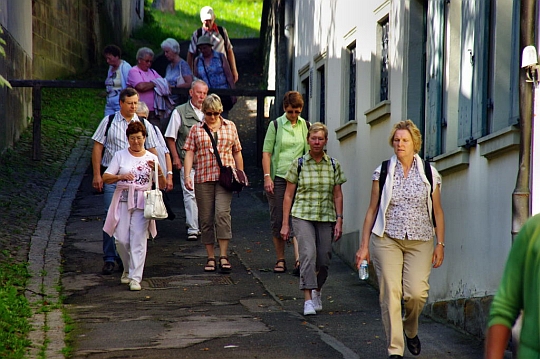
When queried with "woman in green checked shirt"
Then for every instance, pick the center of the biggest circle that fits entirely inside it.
(317, 213)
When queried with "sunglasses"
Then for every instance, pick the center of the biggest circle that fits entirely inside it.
(290, 112)
(212, 113)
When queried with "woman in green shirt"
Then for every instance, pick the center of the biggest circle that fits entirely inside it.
(285, 141)
(317, 213)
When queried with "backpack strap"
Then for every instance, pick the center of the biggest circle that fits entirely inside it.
(382, 178)
(300, 164)
(109, 123)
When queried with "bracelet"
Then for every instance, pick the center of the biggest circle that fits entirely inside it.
(441, 243)
(267, 175)
(169, 172)
(339, 216)
(160, 174)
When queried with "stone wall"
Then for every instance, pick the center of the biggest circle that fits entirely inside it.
(49, 39)
(14, 103)
(64, 37)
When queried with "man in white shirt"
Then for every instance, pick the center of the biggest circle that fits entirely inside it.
(182, 119)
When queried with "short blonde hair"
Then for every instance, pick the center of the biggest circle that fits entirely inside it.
(316, 127)
(212, 102)
(413, 130)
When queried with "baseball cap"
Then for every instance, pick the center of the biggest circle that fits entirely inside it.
(207, 13)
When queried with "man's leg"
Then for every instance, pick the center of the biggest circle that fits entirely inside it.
(190, 205)
(109, 248)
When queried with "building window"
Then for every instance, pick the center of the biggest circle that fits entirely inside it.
(384, 60)
(322, 94)
(306, 94)
(352, 82)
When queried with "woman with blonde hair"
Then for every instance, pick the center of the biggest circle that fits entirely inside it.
(213, 201)
(400, 224)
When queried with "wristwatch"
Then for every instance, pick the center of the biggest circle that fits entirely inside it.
(169, 172)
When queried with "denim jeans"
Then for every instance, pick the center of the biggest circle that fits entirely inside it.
(109, 247)
(190, 204)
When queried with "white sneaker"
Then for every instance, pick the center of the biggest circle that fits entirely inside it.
(316, 299)
(134, 285)
(309, 309)
(125, 279)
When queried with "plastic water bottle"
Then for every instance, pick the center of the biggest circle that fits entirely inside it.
(363, 272)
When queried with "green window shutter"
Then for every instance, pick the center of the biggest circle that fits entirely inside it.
(481, 70)
(466, 88)
(435, 72)
(473, 100)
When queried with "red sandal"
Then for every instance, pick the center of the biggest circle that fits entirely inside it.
(210, 267)
(224, 267)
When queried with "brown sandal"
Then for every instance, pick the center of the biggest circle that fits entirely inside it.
(278, 268)
(224, 267)
(210, 267)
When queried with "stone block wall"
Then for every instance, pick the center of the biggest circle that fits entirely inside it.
(64, 37)
(15, 104)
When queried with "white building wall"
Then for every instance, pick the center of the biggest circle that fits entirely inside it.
(476, 197)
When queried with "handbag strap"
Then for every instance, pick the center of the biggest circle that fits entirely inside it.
(216, 153)
(156, 179)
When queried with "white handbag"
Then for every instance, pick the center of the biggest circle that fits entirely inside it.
(154, 207)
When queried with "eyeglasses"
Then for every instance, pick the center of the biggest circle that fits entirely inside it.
(290, 112)
(212, 113)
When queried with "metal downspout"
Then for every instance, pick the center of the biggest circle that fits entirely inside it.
(521, 194)
(289, 35)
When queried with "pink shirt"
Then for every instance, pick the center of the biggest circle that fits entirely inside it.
(136, 76)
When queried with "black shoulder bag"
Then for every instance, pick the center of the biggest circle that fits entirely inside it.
(232, 179)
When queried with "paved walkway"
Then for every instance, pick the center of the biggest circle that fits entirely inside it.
(183, 312)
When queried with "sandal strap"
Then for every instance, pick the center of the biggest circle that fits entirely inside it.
(280, 261)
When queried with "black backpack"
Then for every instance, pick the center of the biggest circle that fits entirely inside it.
(428, 173)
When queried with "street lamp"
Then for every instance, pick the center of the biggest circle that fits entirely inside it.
(529, 62)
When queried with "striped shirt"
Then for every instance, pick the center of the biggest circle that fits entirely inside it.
(314, 199)
(116, 138)
(218, 43)
(204, 162)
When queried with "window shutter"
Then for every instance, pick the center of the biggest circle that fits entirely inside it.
(435, 69)
(466, 88)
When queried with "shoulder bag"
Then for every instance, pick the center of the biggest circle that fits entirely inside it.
(232, 179)
(154, 206)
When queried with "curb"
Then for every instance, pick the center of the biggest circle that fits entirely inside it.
(45, 258)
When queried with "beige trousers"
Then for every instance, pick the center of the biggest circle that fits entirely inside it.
(403, 268)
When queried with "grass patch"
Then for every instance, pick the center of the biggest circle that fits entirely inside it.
(241, 18)
(14, 309)
(66, 115)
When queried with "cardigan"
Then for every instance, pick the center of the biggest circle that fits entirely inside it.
(386, 195)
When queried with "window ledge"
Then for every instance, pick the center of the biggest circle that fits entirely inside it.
(378, 113)
(349, 129)
(500, 142)
(453, 161)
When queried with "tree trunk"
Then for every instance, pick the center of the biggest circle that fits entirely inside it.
(164, 5)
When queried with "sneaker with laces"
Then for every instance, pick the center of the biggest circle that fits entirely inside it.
(316, 299)
(309, 309)
(125, 279)
(134, 285)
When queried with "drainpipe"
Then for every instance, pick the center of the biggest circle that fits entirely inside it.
(521, 194)
(289, 35)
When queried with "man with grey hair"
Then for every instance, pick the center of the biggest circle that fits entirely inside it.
(182, 119)
(218, 36)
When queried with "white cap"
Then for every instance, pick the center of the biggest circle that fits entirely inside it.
(207, 13)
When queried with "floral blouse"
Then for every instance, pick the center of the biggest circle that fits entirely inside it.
(407, 215)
